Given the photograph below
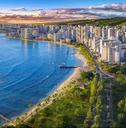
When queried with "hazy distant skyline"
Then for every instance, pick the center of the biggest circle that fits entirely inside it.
(48, 4)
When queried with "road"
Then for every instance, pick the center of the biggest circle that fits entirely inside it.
(108, 111)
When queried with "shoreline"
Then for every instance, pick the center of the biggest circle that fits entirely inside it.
(54, 95)
(41, 41)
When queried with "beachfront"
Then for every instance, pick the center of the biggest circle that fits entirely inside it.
(57, 94)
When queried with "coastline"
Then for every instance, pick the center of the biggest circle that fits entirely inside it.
(40, 41)
(57, 93)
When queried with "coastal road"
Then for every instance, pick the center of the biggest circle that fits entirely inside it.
(108, 112)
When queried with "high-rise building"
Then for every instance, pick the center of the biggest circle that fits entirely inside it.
(26, 33)
(110, 51)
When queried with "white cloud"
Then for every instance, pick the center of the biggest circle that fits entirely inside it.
(104, 10)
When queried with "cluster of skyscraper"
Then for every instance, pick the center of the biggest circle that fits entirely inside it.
(107, 43)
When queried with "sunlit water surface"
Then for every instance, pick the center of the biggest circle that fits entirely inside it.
(29, 71)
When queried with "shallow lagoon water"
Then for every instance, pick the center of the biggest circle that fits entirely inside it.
(29, 71)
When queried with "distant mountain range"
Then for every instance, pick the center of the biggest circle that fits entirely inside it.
(63, 14)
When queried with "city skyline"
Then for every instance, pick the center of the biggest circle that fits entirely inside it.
(63, 63)
(55, 4)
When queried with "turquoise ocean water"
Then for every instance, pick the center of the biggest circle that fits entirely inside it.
(29, 71)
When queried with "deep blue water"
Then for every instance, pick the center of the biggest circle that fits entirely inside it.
(29, 71)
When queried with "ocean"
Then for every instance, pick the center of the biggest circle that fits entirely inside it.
(29, 71)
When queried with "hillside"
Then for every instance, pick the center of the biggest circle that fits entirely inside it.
(97, 22)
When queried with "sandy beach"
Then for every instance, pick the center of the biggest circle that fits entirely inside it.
(60, 91)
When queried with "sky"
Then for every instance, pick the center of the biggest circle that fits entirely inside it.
(48, 4)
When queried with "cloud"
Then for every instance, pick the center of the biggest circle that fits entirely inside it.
(100, 11)
(116, 7)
